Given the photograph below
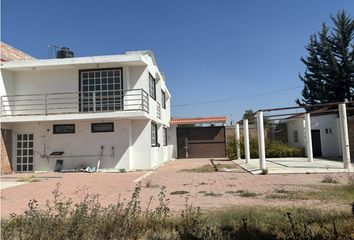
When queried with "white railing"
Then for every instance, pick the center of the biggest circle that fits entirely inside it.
(158, 110)
(75, 102)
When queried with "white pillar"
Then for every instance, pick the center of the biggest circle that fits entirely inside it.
(238, 151)
(247, 140)
(344, 135)
(308, 137)
(261, 143)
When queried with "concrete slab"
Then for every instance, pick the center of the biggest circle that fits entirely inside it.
(293, 165)
(4, 185)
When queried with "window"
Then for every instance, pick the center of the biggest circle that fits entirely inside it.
(163, 99)
(154, 142)
(165, 136)
(152, 86)
(63, 128)
(296, 137)
(101, 90)
(102, 127)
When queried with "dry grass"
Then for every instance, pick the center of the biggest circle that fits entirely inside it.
(29, 179)
(127, 220)
(182, 192)
(208, 168)
(332, 193)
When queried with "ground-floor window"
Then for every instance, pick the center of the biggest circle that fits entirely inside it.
(24, 152)
(102, 127)
(63, 128)
(154, 139)
(165, 136)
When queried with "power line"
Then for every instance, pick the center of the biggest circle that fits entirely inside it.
(238, 97)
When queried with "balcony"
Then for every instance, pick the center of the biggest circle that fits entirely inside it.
(75, 102)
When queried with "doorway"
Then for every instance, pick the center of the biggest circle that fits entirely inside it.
(24, 152)
(316, 143)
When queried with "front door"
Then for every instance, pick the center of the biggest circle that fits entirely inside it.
(316, 143)
(24, 152)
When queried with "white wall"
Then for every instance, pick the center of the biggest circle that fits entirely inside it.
(330, 142)
(6, 87)
(141, 144)
(82, 142)
(172, 142)
(296, 125)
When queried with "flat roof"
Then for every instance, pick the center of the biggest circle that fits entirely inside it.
(134, 59)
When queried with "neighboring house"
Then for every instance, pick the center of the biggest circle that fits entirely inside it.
(8, 53)
(110, 112)
(325, 131)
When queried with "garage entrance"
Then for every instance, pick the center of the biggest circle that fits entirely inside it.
(201, 142)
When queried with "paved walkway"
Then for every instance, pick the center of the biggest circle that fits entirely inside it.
(294, 165)
(207, 190)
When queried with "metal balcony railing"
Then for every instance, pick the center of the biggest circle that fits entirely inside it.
(75, 102)
(158, 110)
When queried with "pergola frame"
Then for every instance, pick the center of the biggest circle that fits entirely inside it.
(341, 108)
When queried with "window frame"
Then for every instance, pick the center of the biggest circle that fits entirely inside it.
(85, 106)
(152, 79)
(156, 143)
(163, 99)
(165, 142)
(55, 131)
(103, 123)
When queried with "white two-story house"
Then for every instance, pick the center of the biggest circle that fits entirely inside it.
(105, 112)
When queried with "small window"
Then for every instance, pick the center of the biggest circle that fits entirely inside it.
(152, 86)
(163, 99)
(296, 137)
(154, 142)
(102, 127)
(165, 136)
(63, 128)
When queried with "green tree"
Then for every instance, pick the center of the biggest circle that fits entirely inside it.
(329, 75)
(250, 115)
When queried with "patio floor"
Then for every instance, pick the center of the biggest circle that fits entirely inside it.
(293, 165)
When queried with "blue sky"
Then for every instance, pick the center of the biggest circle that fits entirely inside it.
(208, 49)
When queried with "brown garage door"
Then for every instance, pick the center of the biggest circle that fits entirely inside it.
(201, 142)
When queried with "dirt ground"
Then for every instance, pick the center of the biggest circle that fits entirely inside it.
(206, 190)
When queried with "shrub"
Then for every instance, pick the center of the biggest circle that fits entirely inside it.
(274, 149)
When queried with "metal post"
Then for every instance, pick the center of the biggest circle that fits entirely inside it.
(46, 104)
(238, 151)
(344, 135)
(247, 140)
(261, 143)
(94, 101)
(308, 137)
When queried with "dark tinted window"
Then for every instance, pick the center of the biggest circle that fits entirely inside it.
(102, 127)
(63, 128)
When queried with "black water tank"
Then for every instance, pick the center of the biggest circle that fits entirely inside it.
(64, 52)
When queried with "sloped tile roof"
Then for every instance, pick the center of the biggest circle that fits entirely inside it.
(181, 121)
(9, 53)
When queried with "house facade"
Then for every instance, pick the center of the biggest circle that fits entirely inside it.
(105, 112)
(325, 133)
